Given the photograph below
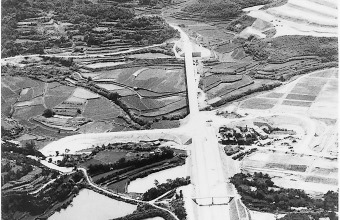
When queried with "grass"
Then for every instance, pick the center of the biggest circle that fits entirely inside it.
(100, 106)
(28, 83)
(38, 91)
(165, 124)
(7, 93)
(109, 156)
(119, 186)
(60, 91)
(27, 112)
(90, 162)
(227, 48)
(11, 82)
(52, 101)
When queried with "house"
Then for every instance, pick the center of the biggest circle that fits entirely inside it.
(261, 133)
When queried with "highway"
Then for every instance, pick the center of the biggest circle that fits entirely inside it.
(210, 191)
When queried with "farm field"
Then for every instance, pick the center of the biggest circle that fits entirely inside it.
(294, 169)
(314, 95)
(313, 99)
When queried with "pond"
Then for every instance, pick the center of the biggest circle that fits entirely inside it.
(141, 185)
(92, 205)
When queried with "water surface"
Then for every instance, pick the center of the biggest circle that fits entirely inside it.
(90, 205)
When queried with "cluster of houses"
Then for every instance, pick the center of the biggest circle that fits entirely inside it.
(243, 135)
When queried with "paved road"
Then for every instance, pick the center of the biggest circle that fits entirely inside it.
(206, 171)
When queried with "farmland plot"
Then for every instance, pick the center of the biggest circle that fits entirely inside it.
(101, 107)
(27, 112)
(259, 103)
(157, 80)
(52, 101)
(84, 94)
(142, 104)
(225, 88)
(7, 93)
(301, 97)
(182, 104)
(60, 90)
(96, 127)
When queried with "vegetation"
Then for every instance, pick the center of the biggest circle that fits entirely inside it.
(29, 149)
(295, 216)
(48, 113)
(83, 15)
(259, 192)
(9, 134)
(60, 190)
(167, 153)
(160, 189)
(283, 47)
(222, 9)
(309, 216)
(145, 211)
(177, 206)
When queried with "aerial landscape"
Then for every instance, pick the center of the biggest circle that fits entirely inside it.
(169, 109)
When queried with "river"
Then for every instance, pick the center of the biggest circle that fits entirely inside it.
(90, 205)
(141, 185)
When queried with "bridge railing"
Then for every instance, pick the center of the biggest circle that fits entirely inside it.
(209, 201)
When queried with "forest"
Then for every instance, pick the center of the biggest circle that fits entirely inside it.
(259, 193)
(83, 15)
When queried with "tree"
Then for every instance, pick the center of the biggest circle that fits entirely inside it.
(331, 200)
(48, 113)
(295, 216)
(179, 210)
(113, 96)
